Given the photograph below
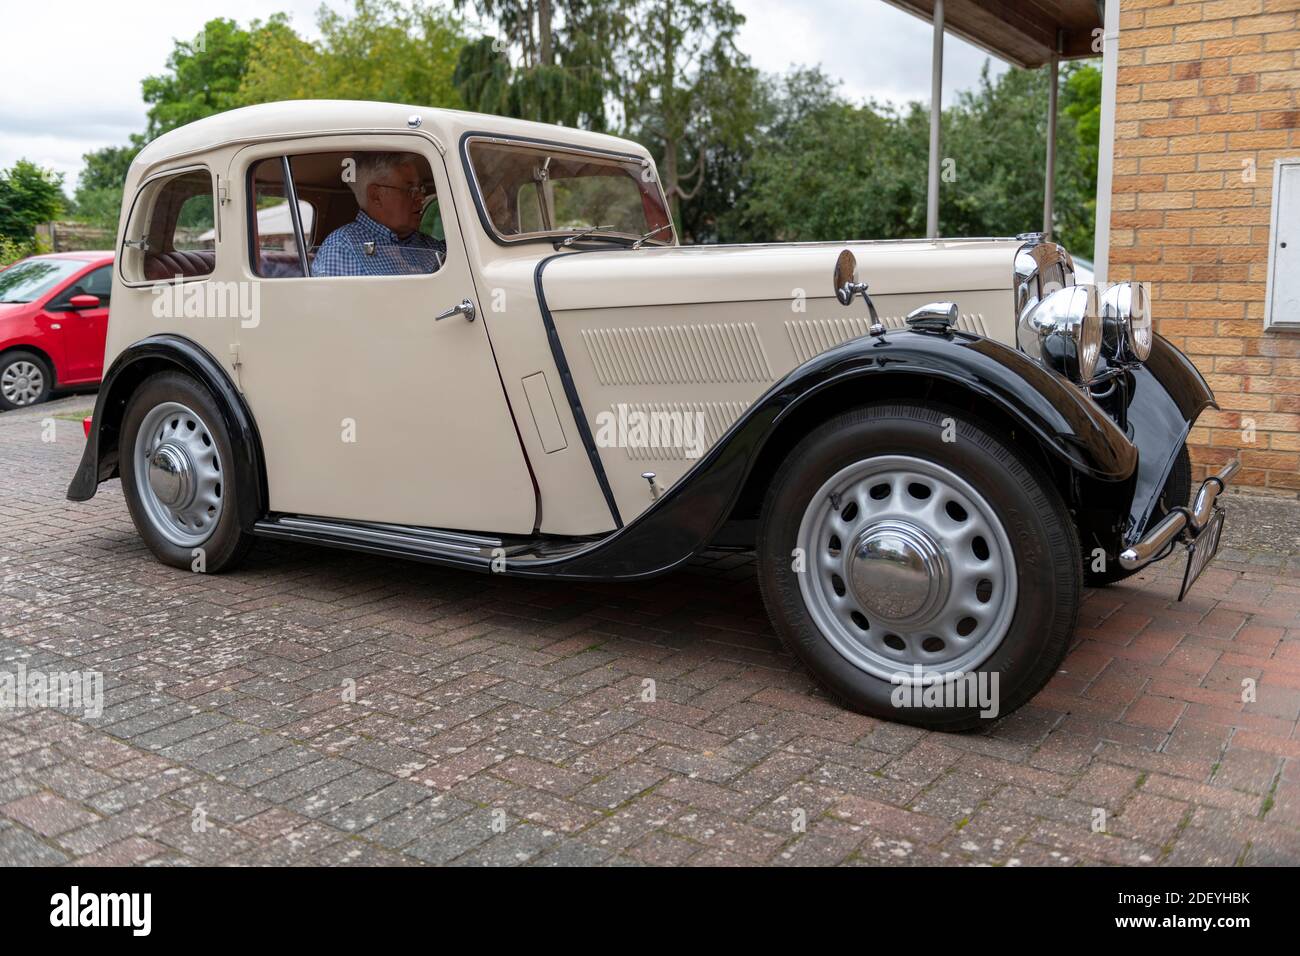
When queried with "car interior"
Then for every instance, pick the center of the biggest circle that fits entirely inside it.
(318, 180)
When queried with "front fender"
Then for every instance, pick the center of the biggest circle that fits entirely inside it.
(157, 353)
(1166, 395)
(691, 512)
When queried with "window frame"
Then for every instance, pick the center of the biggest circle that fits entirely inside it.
(295, 214)
(60, 302)
(476, 136)
(120, 255)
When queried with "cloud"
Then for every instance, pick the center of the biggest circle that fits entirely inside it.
(877, 51)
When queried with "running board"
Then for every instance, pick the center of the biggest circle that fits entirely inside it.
(455, 548)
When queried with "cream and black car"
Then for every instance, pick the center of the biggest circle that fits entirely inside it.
(931, 446)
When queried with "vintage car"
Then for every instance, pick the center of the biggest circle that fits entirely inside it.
(475, 342)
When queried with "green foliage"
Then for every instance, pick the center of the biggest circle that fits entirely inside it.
(689, 94)
(98, 198)
(743, 158)
(29, 195)
(383, 51)
(203, 76)
(553, 61)
(11, 250)
(823, 169)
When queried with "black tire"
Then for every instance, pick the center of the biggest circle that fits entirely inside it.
(226, 543)
(10, 360)
(1177, 492)
(1043, 540)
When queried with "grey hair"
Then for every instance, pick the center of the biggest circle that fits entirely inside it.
(372, 167)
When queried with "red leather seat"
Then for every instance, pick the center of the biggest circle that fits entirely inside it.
(187, 265)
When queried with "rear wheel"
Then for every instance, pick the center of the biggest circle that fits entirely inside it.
(175, 463)
(892, 561)
(25, 379)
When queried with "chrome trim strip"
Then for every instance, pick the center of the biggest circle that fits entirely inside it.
(1182, 521)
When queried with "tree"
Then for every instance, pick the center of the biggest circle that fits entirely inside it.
(203, 76)
(689, 93)
(829, 170)
(382, 51)
(553, 62)
(29, 195)
(826, 169)
(98, 198)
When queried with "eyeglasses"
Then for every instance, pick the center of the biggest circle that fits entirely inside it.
(414, 192)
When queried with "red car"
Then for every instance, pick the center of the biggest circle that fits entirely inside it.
(53, 318)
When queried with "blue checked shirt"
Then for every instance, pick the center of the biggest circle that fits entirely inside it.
(343, 253)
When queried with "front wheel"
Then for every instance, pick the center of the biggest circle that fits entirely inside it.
(176, 464)
(920, 568)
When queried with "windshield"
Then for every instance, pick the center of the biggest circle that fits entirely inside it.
(30, 279)
(530, 191)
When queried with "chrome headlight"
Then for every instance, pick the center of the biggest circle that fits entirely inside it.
(1126, 322)
(1063, 330)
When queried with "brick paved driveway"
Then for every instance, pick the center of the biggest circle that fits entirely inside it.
(498, 721)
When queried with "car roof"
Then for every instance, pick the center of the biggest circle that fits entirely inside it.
(266, 121)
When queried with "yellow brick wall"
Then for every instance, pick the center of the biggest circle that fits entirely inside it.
(1207, 94)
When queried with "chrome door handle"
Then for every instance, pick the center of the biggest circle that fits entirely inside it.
(466, 308)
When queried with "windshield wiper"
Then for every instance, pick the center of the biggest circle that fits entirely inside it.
(586, 232)
(653, 232)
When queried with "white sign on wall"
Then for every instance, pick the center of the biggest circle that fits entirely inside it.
(1282, 304)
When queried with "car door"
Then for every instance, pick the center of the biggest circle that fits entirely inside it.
(82, 331)
(369, 406)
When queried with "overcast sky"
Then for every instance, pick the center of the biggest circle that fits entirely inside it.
(71, 69)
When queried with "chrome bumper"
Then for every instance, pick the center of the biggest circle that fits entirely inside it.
(1181, 522)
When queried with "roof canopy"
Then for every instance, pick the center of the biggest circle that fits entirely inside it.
(1024, 32)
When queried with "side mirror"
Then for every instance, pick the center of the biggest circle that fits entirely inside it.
(83, 301)
(845, 278)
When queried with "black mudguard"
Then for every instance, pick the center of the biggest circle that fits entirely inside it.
(1167, 394)
(157, 353)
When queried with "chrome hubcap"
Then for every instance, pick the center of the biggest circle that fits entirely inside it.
(22, 382)
(897, 573)
(181, 493)
(907, 567)
(171, 475)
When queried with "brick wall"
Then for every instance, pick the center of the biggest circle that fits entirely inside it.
(1207, 96)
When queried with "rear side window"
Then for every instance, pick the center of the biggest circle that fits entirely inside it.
(172, 233)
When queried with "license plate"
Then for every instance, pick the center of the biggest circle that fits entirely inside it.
(1202, 551)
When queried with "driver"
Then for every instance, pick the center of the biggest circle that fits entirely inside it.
(385, 237)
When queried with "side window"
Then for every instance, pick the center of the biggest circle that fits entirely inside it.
(172, 232)
(272, 229)
(99, 282)
(358, 213)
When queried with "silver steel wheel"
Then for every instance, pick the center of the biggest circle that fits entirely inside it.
(178, 474)
(22, 382)
(907, 566)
